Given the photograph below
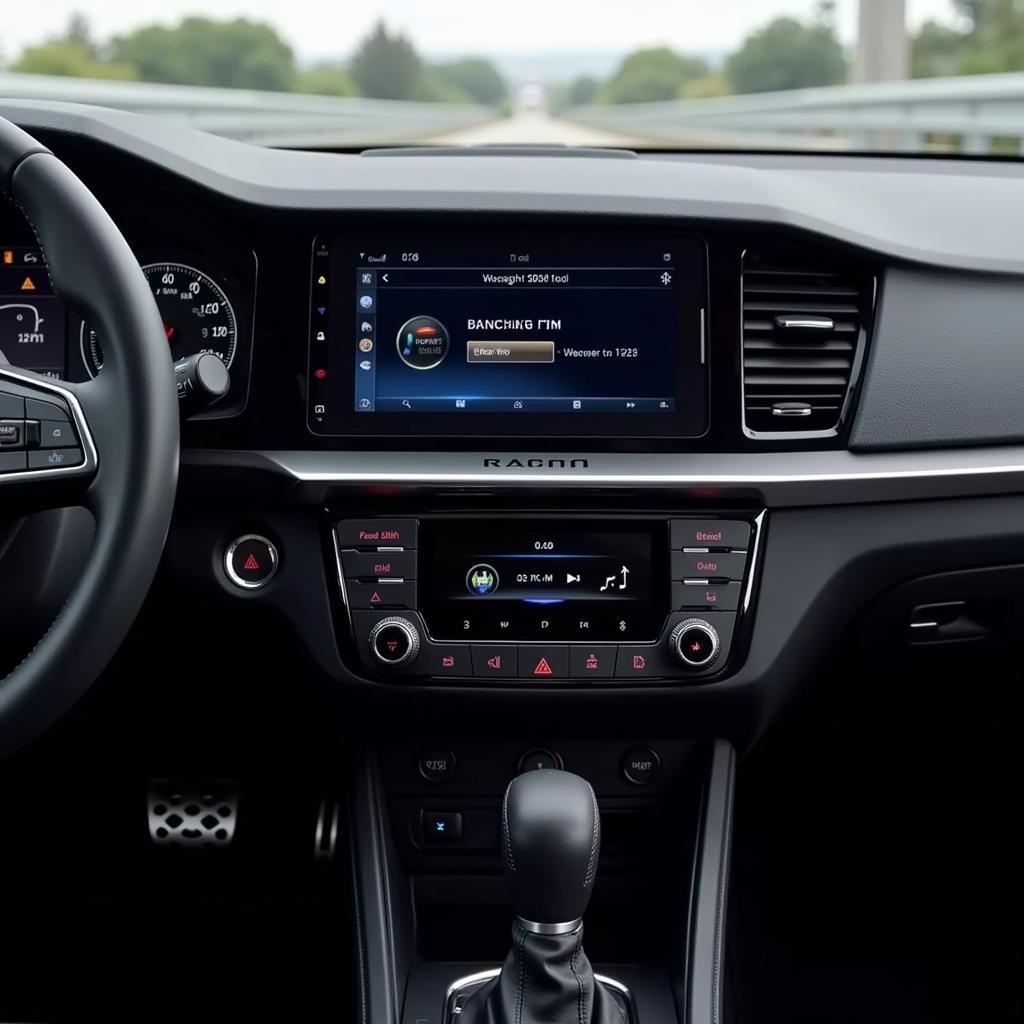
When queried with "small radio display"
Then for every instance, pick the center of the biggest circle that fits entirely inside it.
(507, 580)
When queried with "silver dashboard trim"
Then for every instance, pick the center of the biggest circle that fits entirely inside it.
(767, 479)
(554, 928)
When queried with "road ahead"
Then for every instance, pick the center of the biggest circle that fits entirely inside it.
(534, 126)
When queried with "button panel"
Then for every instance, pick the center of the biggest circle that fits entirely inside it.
(381, 594)
(696, 594)
(36, 433)
(709, 561)
(709, 533)
(708, 565)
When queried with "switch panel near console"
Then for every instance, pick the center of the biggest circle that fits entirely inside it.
(545, 599)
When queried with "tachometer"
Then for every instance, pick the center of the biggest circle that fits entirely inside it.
(197, 315)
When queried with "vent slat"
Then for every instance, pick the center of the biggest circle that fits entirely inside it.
(794, 365)
(771, 345)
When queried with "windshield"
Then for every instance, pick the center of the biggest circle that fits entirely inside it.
(925, 76)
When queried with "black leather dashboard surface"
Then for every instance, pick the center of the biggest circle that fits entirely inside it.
(946, 366)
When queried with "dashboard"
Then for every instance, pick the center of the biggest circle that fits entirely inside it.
(579, 420)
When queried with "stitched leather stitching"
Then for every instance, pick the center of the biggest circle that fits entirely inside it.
(594, 842)
(509, 859)
(573, 960)
(521, 985)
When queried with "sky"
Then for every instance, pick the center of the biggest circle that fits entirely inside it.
(319, 29)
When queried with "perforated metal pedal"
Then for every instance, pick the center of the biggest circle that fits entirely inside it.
(194, 815)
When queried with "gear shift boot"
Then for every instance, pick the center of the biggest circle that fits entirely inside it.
(551, 839)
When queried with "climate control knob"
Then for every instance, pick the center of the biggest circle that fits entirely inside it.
(695, 643)
(395, 641)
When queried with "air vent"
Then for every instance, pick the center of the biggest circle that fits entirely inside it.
(803, 331)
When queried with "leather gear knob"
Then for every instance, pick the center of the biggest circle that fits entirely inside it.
(551, 838)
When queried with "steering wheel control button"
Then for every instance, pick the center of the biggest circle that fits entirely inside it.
(543, 663)
(251, 561)
(710, 565)
(451, 660)
(698, 594)
(695, 642)
(56, 434)
(377, 533)
(591, 662)
(539, 759)
(437, 764)
(494, 662)
(395, 642)
(12, 434)
(55, 458)
(440, 828)
(635, 662)
(381, 594)
(12, 407)
(641, 765)
(709, 533)
(38, 409)
(379, 564)
(13, 462)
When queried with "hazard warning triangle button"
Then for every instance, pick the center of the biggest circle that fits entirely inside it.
(543, 661)
(250, 562)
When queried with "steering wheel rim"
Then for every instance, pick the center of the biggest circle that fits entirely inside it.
(128, 415)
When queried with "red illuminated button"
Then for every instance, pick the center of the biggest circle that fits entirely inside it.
(709, 533)
(494, 662)
(379, 564)
(636, 662)
(543, 662)
(250, 561)
(375, 533)
(723, 596)
(696, 643)
(591, 662)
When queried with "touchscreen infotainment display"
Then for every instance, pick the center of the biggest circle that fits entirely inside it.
(510, 333)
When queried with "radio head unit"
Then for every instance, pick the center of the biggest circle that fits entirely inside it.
(548, 599)
(509, 333)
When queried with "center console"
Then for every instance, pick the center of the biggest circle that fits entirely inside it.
(544, 599)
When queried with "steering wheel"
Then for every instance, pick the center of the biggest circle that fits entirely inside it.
(110, 444)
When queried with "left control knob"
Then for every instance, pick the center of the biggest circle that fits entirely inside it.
(395, 641)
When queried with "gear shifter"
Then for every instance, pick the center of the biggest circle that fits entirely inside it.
(551, 837)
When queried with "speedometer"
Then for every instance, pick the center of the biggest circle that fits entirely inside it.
(196, 313)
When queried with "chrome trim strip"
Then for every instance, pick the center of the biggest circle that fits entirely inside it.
(542, 928)
(229, 569)
(341, 581)
(88, 446)
(748, 594)
(770, 479)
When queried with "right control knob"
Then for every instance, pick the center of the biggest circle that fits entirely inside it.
(695, 643)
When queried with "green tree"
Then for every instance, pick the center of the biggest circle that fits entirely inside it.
(386, 66)
(73, 54)
(646, 76)
(997, 38)
(239, 54)
(787, 54)
(66, 57)
(937, 50)
(991, 40)
(476, 77)
(326, 80)
(581, 92)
